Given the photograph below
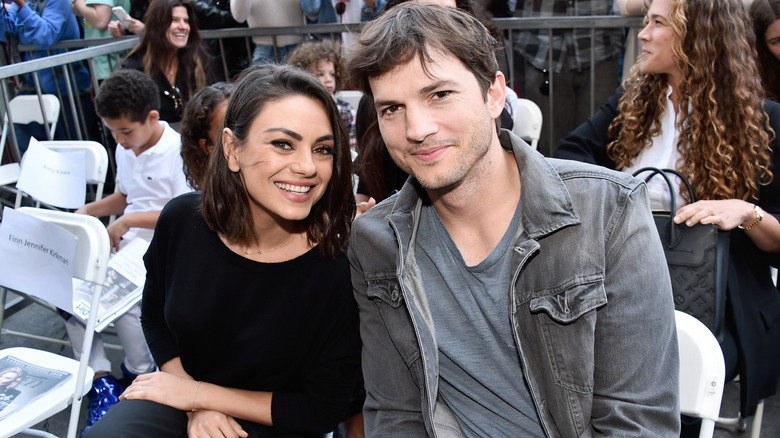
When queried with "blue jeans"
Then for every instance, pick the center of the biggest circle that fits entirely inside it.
(265, 54)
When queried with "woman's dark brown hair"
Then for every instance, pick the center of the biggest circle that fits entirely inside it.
(225, 203)
(764, 13)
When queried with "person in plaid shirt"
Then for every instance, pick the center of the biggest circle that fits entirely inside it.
(571, 51)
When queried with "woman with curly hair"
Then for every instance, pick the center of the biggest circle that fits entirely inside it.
(173, 55)
(766, 24)
(695, 106)
(201, 130)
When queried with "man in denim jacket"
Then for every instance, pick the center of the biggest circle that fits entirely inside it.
(500, 293)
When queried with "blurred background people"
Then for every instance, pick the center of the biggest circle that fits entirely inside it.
(173, 55)
(571, 50)
(201, 130)
(766, 23)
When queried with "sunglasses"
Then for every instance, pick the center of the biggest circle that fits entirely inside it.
(175, 95)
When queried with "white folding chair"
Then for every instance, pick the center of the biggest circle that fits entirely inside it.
(528, 122)
(97, 160)
(96, 164)
(26, 109)
(92, 254)
(702, 372)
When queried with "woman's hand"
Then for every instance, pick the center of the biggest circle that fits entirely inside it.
(136, 27)
(213, 424)
(164, 388)
(726, 214)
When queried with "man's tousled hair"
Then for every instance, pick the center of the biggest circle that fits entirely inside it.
(420, 30)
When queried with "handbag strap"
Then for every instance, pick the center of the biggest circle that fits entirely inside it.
(673, 234)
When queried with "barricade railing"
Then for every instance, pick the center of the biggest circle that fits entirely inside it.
(88, 50)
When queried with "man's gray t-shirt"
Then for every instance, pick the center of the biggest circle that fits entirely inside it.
(480, 374)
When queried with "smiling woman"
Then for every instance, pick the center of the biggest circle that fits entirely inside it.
(248, 306)
(172, 53)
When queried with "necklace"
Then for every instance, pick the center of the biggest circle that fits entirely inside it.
(261, 252)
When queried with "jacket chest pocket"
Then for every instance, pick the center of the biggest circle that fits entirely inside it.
(567, 324)
(386, 294)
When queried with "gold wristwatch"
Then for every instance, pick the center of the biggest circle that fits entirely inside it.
(759, 218)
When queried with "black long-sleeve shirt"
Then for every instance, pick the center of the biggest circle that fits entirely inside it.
(289, 327)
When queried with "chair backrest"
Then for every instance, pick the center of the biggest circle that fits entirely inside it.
(26, 108)
(97, 159)
(528, 122)
(93, 246)
(702, 371)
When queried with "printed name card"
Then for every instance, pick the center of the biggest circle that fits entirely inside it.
(55, 178)
(37, 258)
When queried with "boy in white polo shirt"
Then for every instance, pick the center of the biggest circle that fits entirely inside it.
(149, 174)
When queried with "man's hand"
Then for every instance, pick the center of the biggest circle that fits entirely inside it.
(213, 424)
(116, 230)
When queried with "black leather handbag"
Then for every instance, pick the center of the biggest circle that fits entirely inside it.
(697, 257)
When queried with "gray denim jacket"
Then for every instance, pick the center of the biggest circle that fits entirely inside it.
(593, 314)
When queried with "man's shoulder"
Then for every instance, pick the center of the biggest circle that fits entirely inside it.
(571, 171)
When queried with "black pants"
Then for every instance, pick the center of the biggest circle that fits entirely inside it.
(147, 419)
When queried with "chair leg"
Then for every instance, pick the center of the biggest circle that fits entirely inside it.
(756, 430)
(734, 424)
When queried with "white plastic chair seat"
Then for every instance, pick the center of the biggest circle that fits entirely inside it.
(53, 401)
(528, 122)
(9, 173)
(702, 372)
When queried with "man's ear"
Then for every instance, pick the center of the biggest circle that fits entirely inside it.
(230, 149)
(496, 95)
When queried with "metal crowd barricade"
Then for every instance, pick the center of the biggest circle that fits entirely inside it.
(87, 50)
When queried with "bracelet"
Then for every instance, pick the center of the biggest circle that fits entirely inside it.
(195, 398)
(759, 218)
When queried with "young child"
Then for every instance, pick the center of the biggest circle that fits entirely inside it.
(149, 174)
(324, 60)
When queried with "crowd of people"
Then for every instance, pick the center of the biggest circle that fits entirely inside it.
(467, 285)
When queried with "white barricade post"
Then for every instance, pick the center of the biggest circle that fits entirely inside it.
(55, 178)
(37, 258)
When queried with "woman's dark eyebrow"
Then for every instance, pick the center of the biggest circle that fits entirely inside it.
(286, 131)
